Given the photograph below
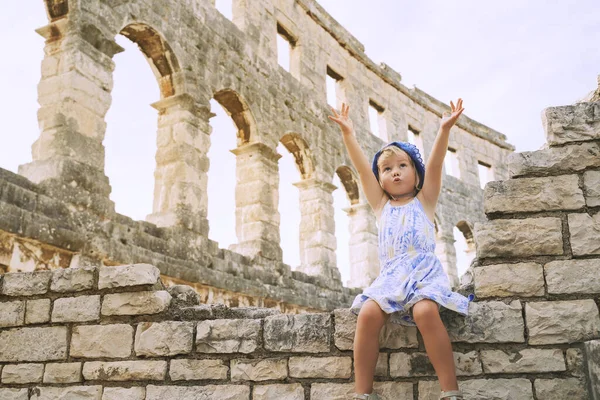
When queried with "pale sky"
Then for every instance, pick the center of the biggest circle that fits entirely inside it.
(508, 60)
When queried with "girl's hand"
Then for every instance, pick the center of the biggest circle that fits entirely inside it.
(449, 119)
(342, 119)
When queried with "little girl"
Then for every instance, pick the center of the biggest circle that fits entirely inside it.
(412, 285)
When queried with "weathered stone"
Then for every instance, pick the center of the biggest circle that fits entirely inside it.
(574, 358)
(591, 350)
(551, 322)
(573, 276)
(591, 181)
(117, 393)
(258, 370)
(527, 360)
(76, 309)
(227, 336)
(67, 393)
(487, 322)
(193, 370)
(560, 389)
(575, 123)
(497, 238)
(293, 391)
(14, 394)
(297, 333)
(25, 283)
(381, 368)
(524, 279)
(164, 338)
(72, 279)
(482, 389)
(392, 336)
(221, 392)
(125, 370)
(22, 373)
(320, 367)
(584, 231)
(418, 364)
(24, 344)
(127, 275)
(136, 303)
(109, 341)
(62, 373)
(37, 311)
(343, 391)
(534, 194)
(12, 313)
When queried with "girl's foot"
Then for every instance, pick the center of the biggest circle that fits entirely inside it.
(372, 396)
(453, 395)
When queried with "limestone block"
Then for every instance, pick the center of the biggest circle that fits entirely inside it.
(117, 393)
(573, 276)
(72, 392)
(592, 355)
(197, 370)
(22, 373)
(127, 275)
(297, 333)
(560, 389)
(574, 123)
(258, 370)
(321, 367)
(12, 313)
(164, 338)
(575, 362)
(534, 194)
(62, 373)
(591, 181)
(519, 238)
(227, 336)
(555, 160)
(293, 391)
(552, 322)
(503, 280)
(527, 360)
(24, 344)
(381, 368)
(76, 309)
(108, 341)
(418, 364)
(482, 389)
(37, 311)
(125, 370)
(487, 322)
(221, 392)
(584, 230)
(14, 394)
(25, 283)
(72, 279)
(392, 336)
(136, 303)
(343, 391)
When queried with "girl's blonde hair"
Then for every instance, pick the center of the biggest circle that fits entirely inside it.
(396, 151)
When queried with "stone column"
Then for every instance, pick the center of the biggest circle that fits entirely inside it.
(74, 96)
(256, 201)
(364, 257)
(445, 251)
(317, 230)
(183, 141)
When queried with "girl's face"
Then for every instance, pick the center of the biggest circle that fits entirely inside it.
(397, 175)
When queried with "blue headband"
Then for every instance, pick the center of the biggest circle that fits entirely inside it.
(413, 153)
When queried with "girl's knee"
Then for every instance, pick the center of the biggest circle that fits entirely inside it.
(371, 314)
(425, 310)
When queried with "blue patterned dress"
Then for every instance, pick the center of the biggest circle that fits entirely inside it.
(410, 271)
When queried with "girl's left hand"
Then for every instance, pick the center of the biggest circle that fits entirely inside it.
(449, 119)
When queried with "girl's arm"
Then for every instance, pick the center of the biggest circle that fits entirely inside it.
(370, 185)
(433, 171)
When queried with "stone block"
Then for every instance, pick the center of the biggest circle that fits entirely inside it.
(12, 313)
(76, 309)
(136, 303)
(584, 231)
(526, 360)
(418, 364)
(591, 350)
(193, 370)
(127, 275)
(24, 344)
(14, 394)
(573, 123)
(258, 370)
(221, 392)
(118, 393)
(343, 391)
(22, 373)
(25, 283)
(555, 160)
(125, 370)
(381, 368)
(482, 389)
(552, 322)
(228, 336)
(293, 391)
(37, 311)
(72, 279)
(106, 341)
(71, 392)
(154, 339)
(321, 367)
(505, 280)
(560, 389)
(62, 372)
(591, 182)
(308, 333)
(575, 363)
(573, 276)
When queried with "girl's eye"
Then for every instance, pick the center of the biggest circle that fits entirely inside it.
(386, 168)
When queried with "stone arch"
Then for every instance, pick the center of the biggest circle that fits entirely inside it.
(239, 112)
(465, 251)
(465, 228)
(350, 183)
(57, 9)
(298, 147)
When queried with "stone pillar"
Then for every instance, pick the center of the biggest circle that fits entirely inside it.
(364, 256)
(183, 141)
(317, 230)
(74, 96)
(446, 252)
(256, 202)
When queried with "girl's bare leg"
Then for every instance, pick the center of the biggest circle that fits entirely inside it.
(437, 342)
(366, 345)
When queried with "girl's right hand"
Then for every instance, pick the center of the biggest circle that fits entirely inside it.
(343, 120)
